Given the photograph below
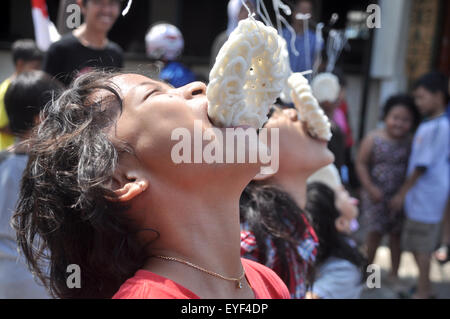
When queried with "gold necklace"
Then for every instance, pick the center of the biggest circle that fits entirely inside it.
(236, 280)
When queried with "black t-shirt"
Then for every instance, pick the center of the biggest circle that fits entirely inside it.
(68, 58)
(337, 146)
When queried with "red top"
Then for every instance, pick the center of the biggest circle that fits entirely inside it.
(147, 285)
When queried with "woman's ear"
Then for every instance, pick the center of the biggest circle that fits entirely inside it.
(129, 191)
(341, 224)
(127, 186)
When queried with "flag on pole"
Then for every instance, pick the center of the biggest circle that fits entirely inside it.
(44, 30)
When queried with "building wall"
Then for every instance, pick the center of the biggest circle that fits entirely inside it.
(6, 64)
(388, 68)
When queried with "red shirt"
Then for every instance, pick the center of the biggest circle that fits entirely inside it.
(147, 285)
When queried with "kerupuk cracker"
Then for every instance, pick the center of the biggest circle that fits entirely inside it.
(248, 76)
(310, 112)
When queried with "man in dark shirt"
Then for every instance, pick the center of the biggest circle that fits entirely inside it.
(88, 46)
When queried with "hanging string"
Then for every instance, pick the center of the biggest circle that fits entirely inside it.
(293, 35)
(127, 8)
(334, 18)
(286, 9)
(251, 14)
(319, 44)
(264, 15)
(305, 18)
(276, 8)
(280, 5)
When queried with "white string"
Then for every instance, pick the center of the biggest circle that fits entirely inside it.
(336, 43)
(293, 35)
(334, 18)
(319, 43)
(251, 14)
(276, 8)
(127, 8)
(305, 18)
(286, 9)
(264, 15)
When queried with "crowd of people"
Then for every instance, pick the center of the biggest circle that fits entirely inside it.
(87, 179)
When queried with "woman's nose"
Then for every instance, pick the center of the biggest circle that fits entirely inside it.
(193, 89)
(291, 113)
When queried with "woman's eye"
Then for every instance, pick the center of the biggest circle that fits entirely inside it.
(152, 92)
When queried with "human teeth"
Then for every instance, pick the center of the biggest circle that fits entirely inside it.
(316, 121)
(248, 76)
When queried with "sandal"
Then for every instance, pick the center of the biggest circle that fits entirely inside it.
(442, 255)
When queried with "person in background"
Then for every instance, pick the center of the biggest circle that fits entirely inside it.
(88, 46)
(425, 191)
(27, 95)
(340, 266)
(236, 13)
(303, 38)
(164, 43)
(274, 228)
(381, 165)
(443, 253)
(342, 119)
(26, 57)
(326, 89)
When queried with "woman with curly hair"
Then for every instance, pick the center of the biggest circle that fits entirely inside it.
(101, 191)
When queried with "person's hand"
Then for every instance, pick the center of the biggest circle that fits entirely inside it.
(396, 203)
(375, 194)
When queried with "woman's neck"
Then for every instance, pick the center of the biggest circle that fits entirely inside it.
(294, 185)
(91, 38)
(200, 227)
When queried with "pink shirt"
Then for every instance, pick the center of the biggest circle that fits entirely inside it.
(147, 285)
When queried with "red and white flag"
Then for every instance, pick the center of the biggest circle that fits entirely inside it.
(44, 30)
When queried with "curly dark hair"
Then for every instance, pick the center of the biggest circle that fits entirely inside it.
(63, 216)
(271, 213)
(320, 206)
(406, 101)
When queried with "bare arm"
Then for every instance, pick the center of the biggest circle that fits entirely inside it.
(362, 168)
(397, 201)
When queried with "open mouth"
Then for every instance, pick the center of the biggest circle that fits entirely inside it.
(106, 19)
(312, 136)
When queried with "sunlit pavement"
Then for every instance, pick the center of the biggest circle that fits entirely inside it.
(408, 272)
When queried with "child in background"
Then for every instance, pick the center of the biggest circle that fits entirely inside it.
(340, 266)
(425, 192)
(443, 253)
(26, 57)
(326, 89)
(381, 165)
(27, 95)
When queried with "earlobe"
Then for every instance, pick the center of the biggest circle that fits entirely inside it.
(130, 191)
(341, 224)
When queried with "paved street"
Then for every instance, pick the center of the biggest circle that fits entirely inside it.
(440, 276)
